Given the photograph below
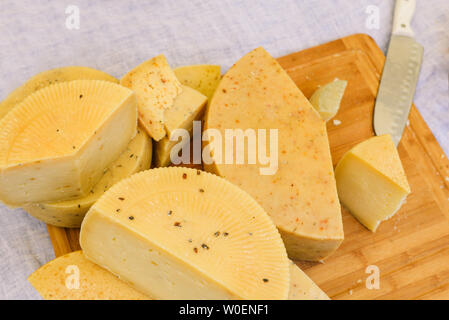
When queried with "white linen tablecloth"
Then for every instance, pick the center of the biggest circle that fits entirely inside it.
(115, 36)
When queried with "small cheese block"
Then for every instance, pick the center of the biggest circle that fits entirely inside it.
(46, 78)
(179, 233)
(57, 279)
(156, 87)
(202, 77)
(302, 287)
(299, 191)
(70, 213)
(73, 277)
(371, 181)
(326, 99)
(187, 107)
(56, 144)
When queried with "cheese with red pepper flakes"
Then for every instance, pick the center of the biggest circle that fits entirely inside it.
(179, 233)
(156, 87)
(302, 287)
(187, 107)
(56, 143)
(70, 213)
(371, 181)
(73, 277)
(301, 195)
(49, 77)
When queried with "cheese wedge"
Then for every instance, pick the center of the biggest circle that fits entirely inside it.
(371, 181)
(179, 233)
(70, 213)
(56, 144)
(327, 99)
(187, 107)
(203, 78)
(46, 78)
(73, 277)
(302, 287)
(301, 196)
(156, 87)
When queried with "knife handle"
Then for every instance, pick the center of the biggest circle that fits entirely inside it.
(403, 14)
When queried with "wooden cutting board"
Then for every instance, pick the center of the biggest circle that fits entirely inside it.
(411, 250)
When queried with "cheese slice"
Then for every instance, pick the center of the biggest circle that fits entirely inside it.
(187, 107)
(179, 233)
(70, 213)
(326, 99)
(202, 77)
(46, 78)
(56, 144)
(156, 87)
(73, 277)
(301, 196)
(302, 287)
(371, 181)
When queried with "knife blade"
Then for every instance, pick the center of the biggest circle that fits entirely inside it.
(400, 75)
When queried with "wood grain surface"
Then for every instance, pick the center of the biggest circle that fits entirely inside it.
(411, 250)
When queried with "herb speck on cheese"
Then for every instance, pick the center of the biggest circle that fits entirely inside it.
(131, 218)
(184, 176)
(177, 224)
(225, 234)
(121, 198)
(265, 280)
(217, 233)
(201, 190)
(205, 246)
(195, 250)
(170, 212)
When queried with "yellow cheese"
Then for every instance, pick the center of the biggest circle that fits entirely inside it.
(326, 99)
(156, 87)
(202, 77)
(70, 213)
(302, 287)
(46, 78)
(73, 277)
(178, 233)
(56, 144)
(57, 280)
(187, 107)
(301, 196)
(371, 181)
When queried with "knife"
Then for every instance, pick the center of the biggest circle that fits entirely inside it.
(399, 76)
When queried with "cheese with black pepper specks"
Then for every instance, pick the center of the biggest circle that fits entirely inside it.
(301, 197)
(179, 233)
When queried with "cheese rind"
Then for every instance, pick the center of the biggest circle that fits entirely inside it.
(70, 213)
(46, 78)
(57, 280)
(188, 106)
(178, 233)
(302, 287)
(57, 142)
(203, 78)
(156, 87)
(301, 197)
(371, 181)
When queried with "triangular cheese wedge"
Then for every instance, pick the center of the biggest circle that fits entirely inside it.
(203, 78)
(156, 87)
(299, 191)
(56, 144)
(49, 77)
(178, 233)
(70, 213)
(371, 181)
(73, 277)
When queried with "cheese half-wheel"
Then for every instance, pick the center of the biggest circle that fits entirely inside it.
(46, 78)
(73, 277)
(201, 77)
(70, 213)
(178, 233)
(56, 144)
(156, 87)
(298, 189)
